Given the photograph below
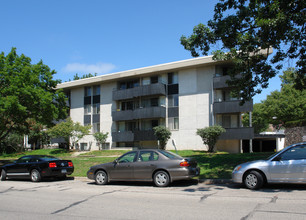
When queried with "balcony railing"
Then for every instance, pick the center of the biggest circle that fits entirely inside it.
(220, 81)
(140, 113)
(145, 90)
(123, 136)
(130, 136)
(232, 106)
(237, 133)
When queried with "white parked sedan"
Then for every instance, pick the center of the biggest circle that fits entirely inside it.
(286, 166)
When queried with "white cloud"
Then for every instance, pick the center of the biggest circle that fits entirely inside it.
(98, 68)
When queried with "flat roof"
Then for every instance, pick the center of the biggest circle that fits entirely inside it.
(172, 66)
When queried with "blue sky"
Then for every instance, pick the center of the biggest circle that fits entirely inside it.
(98, 36)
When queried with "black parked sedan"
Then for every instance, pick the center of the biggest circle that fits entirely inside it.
(37, 167)
(159, 166)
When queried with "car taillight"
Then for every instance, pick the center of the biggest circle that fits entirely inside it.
(70, 164)
(184, 164)
(52, 165)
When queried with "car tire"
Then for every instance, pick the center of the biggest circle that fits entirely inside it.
(3, 175)
(101, 178)
(161, 179)
(253, 180)
(35, 176)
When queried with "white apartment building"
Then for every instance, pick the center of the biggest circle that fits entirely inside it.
(183, 96)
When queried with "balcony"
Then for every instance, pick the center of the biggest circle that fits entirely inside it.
(144, 136)
(145, 90)
(220, 81)
(237, 133)
(232, 106)
(123, 136)
(140, 113)
(130, 136)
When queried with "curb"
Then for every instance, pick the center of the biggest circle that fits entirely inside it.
(202, 181)
(215, 181)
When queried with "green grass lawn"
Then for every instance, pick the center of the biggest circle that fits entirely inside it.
(213, 165)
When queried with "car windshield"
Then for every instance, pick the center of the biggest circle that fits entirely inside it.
(170, 155)
(48, 158)
(272, 156)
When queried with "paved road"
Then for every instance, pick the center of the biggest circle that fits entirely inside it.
(81, 199)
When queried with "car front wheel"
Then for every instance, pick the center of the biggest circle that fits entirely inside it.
(161, 179)
(3, 175)
(35, 176)
(253, 180)
(101, 178)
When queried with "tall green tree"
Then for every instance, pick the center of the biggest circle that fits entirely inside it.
(245, 27)
(27, 91)
(210, 135)
(71, 131)
(286, 107)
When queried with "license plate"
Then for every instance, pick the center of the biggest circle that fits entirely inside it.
(64, 171)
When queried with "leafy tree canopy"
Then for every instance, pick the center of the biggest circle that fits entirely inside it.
(245, 27)
(100, 137)
(287, 106)
(69, 130)
(27, 92)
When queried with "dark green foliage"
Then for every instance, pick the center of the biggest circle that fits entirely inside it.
(287, 107)
(248, 26)
(77, 77)
(27, 93)
(284, 108)
(260, 121)
(162, 134)
(210, 135)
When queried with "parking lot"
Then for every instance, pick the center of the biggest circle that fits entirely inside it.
(80, 198)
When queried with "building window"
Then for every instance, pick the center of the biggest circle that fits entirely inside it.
(83, 147)
(154, 102)
(173, 123)
(96, 108)
(154, 79)
(173, 100)
(129, 105)
(154, 123)
(228, 120)
(96, 90)
(87, 91)
(172, 78)
(87, 109)
(96, 127)
(129, 84)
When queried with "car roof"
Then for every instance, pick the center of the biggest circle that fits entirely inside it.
(37, 156)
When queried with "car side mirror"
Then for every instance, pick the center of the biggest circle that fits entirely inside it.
(116, 161)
